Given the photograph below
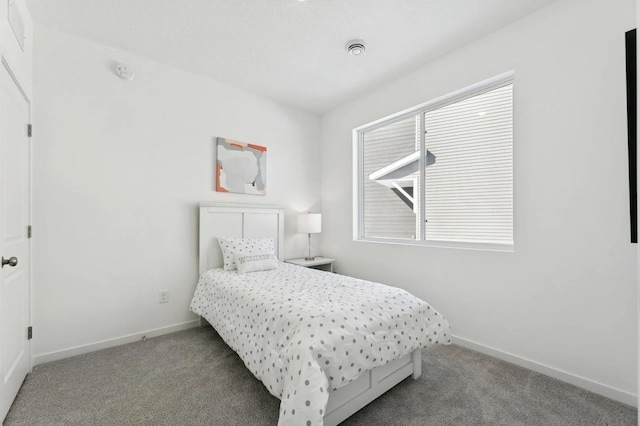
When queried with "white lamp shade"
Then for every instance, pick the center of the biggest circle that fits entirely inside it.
(310, 223)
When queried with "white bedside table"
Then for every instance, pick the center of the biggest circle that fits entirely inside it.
(321, 263)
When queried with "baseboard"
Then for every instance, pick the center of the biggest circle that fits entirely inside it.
(109, 343)
(590, 385)
(582, 382)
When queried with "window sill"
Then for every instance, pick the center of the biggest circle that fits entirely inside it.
(503, 248)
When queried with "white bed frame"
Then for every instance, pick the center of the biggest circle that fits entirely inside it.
(246, 221)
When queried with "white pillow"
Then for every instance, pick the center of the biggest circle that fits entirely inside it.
(255, 262)
(231, 245)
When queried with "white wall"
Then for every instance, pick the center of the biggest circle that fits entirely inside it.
(565, 301)
(119, 168)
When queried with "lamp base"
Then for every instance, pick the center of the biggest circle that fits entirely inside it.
(310, 258)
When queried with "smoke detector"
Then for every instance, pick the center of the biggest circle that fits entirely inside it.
(124, 71)
(356, 47)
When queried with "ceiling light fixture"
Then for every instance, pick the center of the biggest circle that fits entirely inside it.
(356, 47)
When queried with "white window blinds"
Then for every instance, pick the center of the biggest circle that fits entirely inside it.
(465, 159)
(469, 190)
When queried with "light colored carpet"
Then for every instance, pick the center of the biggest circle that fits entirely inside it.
(193, 378)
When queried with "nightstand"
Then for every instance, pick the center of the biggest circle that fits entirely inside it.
(321, 263)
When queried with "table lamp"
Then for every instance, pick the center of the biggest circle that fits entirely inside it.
(310, 223)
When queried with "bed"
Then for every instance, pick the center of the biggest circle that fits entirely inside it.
(325, 344)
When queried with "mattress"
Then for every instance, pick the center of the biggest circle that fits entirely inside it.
(304, 332)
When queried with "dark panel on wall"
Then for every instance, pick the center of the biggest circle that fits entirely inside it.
(632, 126)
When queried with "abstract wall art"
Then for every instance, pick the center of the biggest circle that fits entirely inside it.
(241, 167)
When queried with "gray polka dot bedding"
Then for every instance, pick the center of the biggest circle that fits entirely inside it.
(303, 332)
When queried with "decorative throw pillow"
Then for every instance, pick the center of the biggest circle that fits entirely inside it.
(255, 262)
(231, 245)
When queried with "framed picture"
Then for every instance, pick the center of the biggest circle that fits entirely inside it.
(632, 126)
(241, 167)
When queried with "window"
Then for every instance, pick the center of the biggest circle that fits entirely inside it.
(440, 173)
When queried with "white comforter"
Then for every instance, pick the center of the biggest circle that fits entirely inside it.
(303, 331)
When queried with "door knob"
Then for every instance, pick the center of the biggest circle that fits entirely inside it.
(12, 261)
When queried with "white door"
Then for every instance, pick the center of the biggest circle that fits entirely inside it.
(15, 356)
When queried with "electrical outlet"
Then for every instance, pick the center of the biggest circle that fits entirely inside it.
(164, 296)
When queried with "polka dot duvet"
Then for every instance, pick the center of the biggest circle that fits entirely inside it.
(303, 332)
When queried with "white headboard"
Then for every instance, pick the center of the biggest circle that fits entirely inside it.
(237, 220)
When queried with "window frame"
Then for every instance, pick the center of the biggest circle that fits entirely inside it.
(358, 166)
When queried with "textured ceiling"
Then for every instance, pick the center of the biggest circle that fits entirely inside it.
(287, 50)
